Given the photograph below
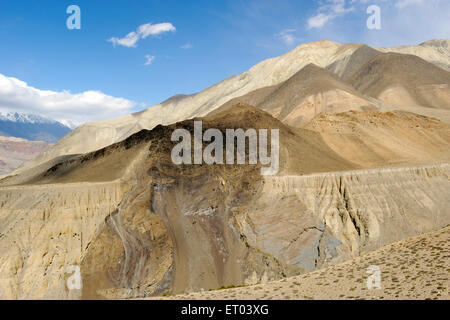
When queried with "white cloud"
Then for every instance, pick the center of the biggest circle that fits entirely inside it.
(142, 32)
(18, 96)
(186, 46)
(149, 29)
(318, 21)
(129, 40)
(287, 37)
(329, 10)
(149, 59)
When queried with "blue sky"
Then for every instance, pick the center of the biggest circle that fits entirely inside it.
(79, 75)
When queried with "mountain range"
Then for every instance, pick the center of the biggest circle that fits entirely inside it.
(31, 127)
(340, 59)
(25, 136)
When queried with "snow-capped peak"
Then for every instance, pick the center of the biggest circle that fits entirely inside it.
(25, 118)
(69, 124)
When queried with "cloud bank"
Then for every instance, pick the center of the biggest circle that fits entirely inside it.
(18, 96)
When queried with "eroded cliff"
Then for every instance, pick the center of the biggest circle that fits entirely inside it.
(138, 225)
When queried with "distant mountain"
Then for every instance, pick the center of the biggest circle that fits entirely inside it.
(299, 99)
(31, 127)
(14, 151)
(68, 124)
(347, 67)
(403, 79)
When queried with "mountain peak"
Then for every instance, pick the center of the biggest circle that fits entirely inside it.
(440, 43)
(319, 43)
(32, 127)
(24, 118)
(69, 124)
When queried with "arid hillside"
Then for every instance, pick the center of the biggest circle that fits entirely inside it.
(309, 92)
(393, 138)
(413, 269)
(138, 225)
(404, 80)
(339, 58)
(352, 63)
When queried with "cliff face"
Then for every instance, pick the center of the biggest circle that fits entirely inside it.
(138, 225)
(314, 220)
(206, 230)
(45, 229)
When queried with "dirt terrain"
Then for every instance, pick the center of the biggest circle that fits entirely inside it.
(393, 138)
(417, 268)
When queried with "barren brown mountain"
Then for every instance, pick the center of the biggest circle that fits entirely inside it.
(404, 80)
(311, 91)
(93, 136)
(352, 63)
